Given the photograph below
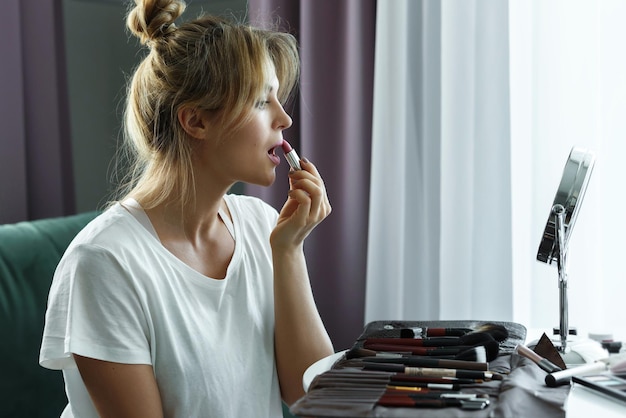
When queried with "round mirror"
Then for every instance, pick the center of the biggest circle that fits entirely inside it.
(569, 195)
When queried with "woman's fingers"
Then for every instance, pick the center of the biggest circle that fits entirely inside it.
(309, 181)
(306, 206)
(303, 210)
(311, 168)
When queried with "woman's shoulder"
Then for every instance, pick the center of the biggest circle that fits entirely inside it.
(111, 228)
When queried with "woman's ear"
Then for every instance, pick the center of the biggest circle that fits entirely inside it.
(194, 122)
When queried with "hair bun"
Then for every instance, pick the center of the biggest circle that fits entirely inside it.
(150, 20)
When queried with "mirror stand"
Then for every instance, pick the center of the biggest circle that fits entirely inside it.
(555, 239)
(559, 221)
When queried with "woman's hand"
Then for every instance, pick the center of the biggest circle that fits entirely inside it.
(306, 206)
(300, 338)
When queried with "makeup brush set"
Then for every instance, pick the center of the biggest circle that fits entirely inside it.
(400, 368)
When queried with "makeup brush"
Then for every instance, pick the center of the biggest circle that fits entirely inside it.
(432, 371)
(348, 395)
(413, 401)
(352, 374)
(397, 383)
(475, 358)
(498, 332)
(421, 351)
(480, 353)
(471, 339)
(423, 332)
(467, 339)
(366, 355)
(417, 347)
(402, 379)
(545, 364)
(441, 383)
(363, 378)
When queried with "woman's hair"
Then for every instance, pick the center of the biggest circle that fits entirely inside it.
(208, 63)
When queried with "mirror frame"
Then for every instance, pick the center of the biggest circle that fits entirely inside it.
(570, 195)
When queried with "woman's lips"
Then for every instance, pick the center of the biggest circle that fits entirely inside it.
(272, 155)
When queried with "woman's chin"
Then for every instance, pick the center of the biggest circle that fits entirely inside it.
(266, 182)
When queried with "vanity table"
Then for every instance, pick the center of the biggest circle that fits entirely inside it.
(584, 403)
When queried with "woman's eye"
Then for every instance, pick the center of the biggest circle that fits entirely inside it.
(261, 104)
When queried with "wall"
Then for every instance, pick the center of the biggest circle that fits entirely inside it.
(100, 56)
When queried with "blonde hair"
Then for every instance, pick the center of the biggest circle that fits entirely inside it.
(208, 63)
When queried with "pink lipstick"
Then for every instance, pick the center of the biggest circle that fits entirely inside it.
(291, 156)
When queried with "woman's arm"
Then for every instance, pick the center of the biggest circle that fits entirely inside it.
(121, 390)
(300, 336)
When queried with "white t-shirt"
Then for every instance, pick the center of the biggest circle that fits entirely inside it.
(119, 295)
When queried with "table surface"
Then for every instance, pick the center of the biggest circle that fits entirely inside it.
(585, 403)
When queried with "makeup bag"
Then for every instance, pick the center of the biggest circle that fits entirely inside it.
(521, 392)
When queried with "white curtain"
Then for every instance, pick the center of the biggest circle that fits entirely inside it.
(476, 107)
(440, 240)
(568, 88)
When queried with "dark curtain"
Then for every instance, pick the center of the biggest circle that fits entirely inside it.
(35, 149)
(332, 128)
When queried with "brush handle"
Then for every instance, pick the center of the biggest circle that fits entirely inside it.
(422, 351)
(416, 402)
(438, 386)
(417, 342)
(450, 332)
(545, 364)
(419, 332)
(401, 377)
(444, 372)
(414, 361)
(430, 368)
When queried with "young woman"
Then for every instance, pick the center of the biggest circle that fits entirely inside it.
(182, 300)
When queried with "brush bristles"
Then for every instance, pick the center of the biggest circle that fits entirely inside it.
(477, 354)
(498, 332)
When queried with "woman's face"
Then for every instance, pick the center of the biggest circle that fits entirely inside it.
(251, 155)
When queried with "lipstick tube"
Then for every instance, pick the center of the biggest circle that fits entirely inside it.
(291, 156)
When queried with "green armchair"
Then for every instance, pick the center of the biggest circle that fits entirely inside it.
(29, 253)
